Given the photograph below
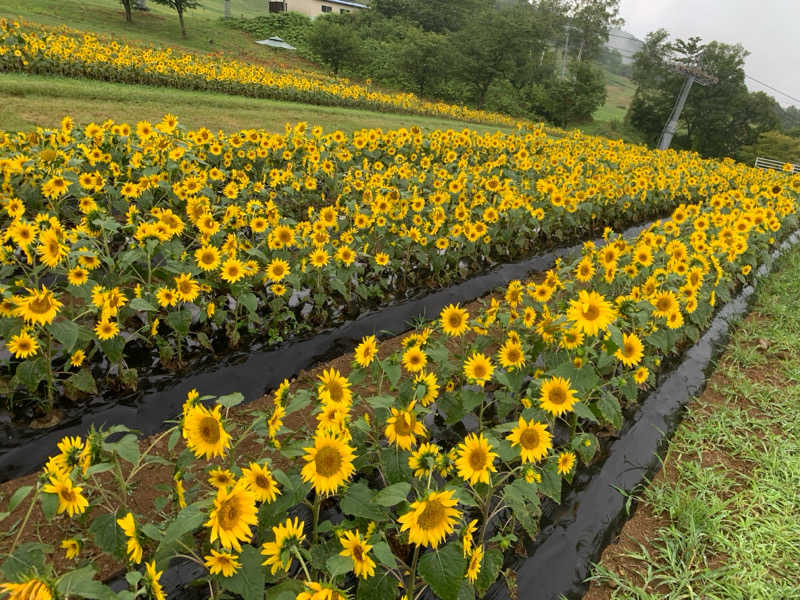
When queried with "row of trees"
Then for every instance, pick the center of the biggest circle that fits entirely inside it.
(505, 56)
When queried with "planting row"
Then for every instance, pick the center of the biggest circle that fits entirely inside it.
(72, 53)
(421, 466)
(126, 245)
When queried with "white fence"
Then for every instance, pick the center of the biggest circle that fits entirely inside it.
(768, 163)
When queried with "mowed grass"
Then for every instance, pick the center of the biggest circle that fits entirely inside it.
(158, 26)
(619, 93)
(731, 514)
(33, 100)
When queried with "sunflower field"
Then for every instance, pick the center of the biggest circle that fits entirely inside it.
(67, 52)
(128, 246)
(422, 465)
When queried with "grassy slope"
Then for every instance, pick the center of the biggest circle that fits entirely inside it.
(619, 93)
(729, 507)
(31, 100)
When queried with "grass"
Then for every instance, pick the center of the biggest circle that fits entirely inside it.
(731, 514)
(619, 93)
(159, 25)
(35, 100)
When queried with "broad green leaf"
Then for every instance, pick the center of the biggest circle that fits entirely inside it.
(26, 558)
(188, 520)
(550, 485)
(248, 582)
(49, 504)
(230, 400)
(490, 569)
(83, 381)
(339, 565)
(610, 410)
(107, 535)
(394, 494)
(286, 590)
(127, 448)
(249, 301)
(381, 586)
(384, 554)
(80, 583)
(443, 570)
(142, 305)
(358, 502)
(65, 332)
(18, 496)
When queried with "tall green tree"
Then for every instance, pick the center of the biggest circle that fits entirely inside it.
(126, 4)
(592, 21)
(335, 42)
(180, 6)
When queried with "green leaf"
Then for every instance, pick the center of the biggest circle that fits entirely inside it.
(18, 496)
(471, 399)
(585, 444)
(584, 379)
(384, 554)
(385, 402)
(107, 535)
(142, 305)
(127, 448)
(381, 586)
(358, 503)
(26, 558)
(610, 410)
(31, 372)
(392, 372)
(527, 513)
(180, 321)
(584, 412)
(299, 400)
(49, 504)
(286, 590)
(83, 381)
(249, 301)
(490, 569)
(339, 565)
(394, 494)
(114, 348)
(188, 520)
(80, 583)
(249, 580)
(550, 485)
(230, 400)
(65, 332)
(395, 465)
(443, 570)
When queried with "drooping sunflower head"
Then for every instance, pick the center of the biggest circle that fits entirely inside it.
(357, 548)
(288, 534)
(424, 459)
(329, 463)
(39, 306)
(204, 432)
(431, 385)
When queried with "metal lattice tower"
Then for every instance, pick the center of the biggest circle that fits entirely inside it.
(693, 74)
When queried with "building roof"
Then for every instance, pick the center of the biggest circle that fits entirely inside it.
(346, 3)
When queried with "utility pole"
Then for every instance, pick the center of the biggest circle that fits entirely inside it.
(693, 74)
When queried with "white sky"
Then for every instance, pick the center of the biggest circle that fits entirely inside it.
(768, 29)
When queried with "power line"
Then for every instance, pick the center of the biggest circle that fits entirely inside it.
(766, 85)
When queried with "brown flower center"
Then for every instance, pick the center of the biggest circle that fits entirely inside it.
(209, 430)
(477, 459)
(41, 305)
(432, 516)
(529, 439)
(327, 461)
(228, 514)
(404, 424)
(557, 395)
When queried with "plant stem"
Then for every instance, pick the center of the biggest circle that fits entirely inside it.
(299, 556)
(315, 523)
(412, 574)
(25, 520)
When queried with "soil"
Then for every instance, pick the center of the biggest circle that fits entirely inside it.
(643, 527)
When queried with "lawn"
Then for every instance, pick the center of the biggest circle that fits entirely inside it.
(619, 93)
(34, 100)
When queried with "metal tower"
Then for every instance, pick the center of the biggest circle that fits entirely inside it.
(693, 74)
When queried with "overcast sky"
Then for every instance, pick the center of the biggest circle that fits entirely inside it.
(768, 29)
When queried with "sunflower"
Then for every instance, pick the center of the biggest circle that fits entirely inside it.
(571, 338)
(38, 307)
(133, 546)
(641, 375)
(153, 582)
(431, 519)
(220, 478)
(403, 427)
(357, 548)
(23, 345)
(591, 312)
(556, 397)
(474, 567)
(203, 431)
(414, 359)
(664, 304)
(233, 514)
(319, 258)
(428, 380)
(50, 249)
(424, 459)
(329, 463)
(186, 288)
(70, 498)
(511, 355)
(334, 387)
(455, 320)
(381, 259)
(77, 276)
(478, 368)
(32, 589)
(585, 270)
(71, 548)
(566, 460)
(222, 562)
(533, 438)
(106, 329)
(321, 591)
(207, 258)
(166, 297)
(232, 270)
(675, 319)
(277, 269)
(366, 351)
(260, 481)
(632, 350)
(475, 458)
(287, 536)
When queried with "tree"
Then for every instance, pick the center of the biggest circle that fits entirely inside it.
(717, 119)
(774, 145)
(593, 20)
(126, 4)
(570, 100)
(180, 6)
(423, 57)
(335, 43)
